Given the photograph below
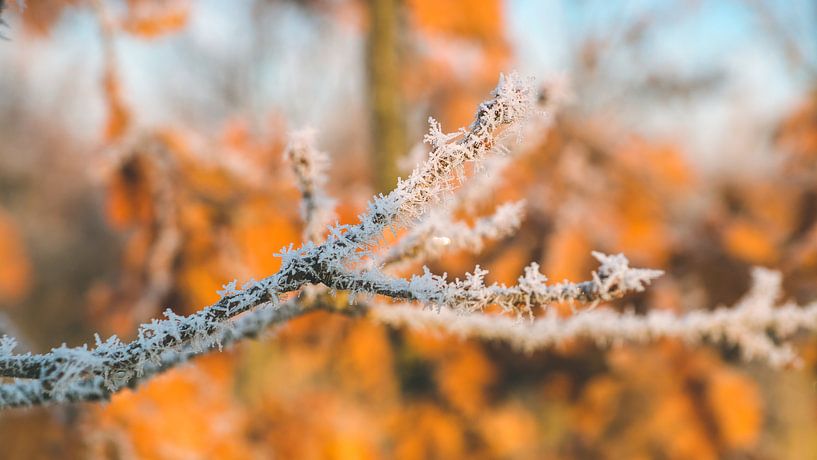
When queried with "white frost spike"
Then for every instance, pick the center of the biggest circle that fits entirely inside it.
(475, 280)
(227, 289)
(532, 279)
(7, 345)
(615, 275)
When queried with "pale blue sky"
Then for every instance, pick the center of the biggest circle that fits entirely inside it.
(311, 68)
(727, 127)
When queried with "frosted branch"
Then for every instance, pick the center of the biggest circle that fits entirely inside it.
(612, 280)
(756, 324)
(79, 374)
(65, 371)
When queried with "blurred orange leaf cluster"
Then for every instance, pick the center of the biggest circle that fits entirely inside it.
(154, 18)
(15, 267)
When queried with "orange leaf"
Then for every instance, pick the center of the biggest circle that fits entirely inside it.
(15, 269)
(735, 403)
(151, 19)
(749, 243)
(118, 114)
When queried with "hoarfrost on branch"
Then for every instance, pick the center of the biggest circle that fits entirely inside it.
(354, 258)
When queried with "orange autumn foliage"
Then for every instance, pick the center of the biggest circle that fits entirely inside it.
(686, 403)
(118, 118)
(40, 16)
(427, 431)
(152, 18)
(510, 431)
(750, 243)
(194, 221)
(467, 19)
(798, 136)
(137, 423)
(15, 268)
(474, 27)
(736, 408)
(567, 249)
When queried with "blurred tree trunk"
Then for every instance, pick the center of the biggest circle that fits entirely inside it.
(388, 125)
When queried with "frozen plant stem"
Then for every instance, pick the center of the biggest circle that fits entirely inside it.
(347, 260)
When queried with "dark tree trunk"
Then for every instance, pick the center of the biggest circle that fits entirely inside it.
(385, 92)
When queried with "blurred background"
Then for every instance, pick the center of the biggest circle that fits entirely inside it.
(141, 169)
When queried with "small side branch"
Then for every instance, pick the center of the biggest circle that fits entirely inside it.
(310, 165)
(437, 234)
(612, 280)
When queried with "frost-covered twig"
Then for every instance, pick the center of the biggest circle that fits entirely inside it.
(436, 234)
(754, 324)
(612, 280)
(513, 101)
(310, 165)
